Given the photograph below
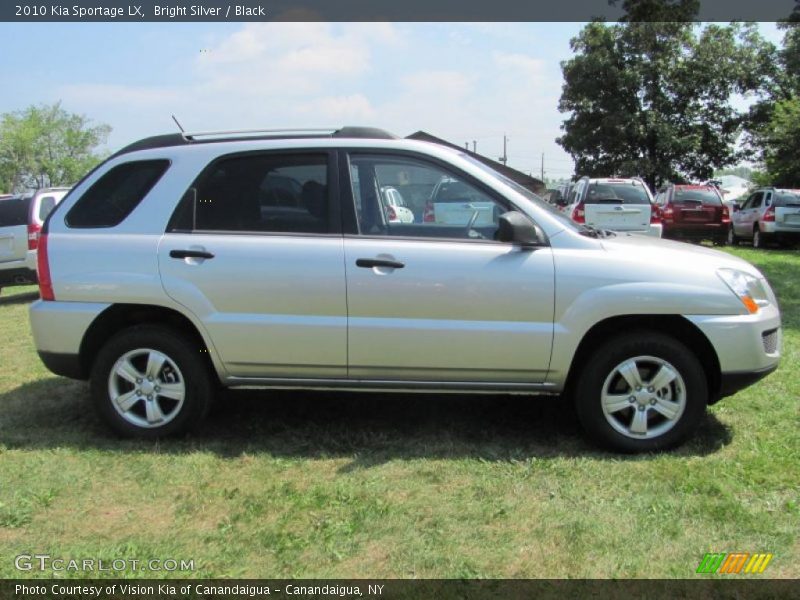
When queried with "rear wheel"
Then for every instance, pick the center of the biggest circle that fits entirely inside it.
(732, 238)
(758, 240)
(641, 392)
(151, 381)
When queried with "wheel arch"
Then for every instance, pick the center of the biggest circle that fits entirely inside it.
(675, 326)
(117, 317)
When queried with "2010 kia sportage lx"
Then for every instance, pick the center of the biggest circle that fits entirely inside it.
(188, 261)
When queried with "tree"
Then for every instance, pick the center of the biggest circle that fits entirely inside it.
(45, 145)
(774, 121)
(653, 98)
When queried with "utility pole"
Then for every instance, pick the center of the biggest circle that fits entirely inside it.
(504, 159)
(542, 167)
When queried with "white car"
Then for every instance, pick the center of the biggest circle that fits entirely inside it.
(395, 206)
(13, 241)
(456, 203)
(42, 204)
(615, 204)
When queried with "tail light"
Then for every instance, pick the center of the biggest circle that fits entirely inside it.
(391, 213)
(578, 214)
(655, 215)
(428, 216)
(769, 215)
(667, 213)
(33, 236)
(726, 214)
(43, 268)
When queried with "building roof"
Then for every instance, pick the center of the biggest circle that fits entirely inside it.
(525, 180)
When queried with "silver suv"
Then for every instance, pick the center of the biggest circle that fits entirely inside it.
(767, 215)
(186, 262)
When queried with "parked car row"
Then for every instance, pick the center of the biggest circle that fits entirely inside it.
(688, 212)
(21, 219)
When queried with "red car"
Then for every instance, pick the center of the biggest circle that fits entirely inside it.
(693, 212)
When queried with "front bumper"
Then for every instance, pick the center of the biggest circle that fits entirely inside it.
(748, 346)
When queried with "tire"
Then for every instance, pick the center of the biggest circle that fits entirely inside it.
(639, 425)
(733, 239)
(173, 402)
(758, 240)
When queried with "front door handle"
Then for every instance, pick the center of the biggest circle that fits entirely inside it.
(370, 263)
(190, 254)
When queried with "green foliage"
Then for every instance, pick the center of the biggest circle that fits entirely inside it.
(781, 143)
(653, 98)
(773, 127)
(46, 145)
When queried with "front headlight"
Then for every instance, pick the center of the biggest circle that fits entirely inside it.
(749, 289)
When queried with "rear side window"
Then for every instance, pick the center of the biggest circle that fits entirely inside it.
(46, 206)
(706, 197)
(788, 199)
(616, 193)
(14, 211)
(272, 193)
(114, 196)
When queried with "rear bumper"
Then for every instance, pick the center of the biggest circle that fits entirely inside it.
(66, 365)
(777, 232)
(17, 276)
(696, 231)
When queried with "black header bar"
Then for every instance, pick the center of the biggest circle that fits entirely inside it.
(367, 10)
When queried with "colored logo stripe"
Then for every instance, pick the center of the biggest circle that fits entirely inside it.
(734, 562)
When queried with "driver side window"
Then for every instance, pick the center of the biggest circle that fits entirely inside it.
(406, 197)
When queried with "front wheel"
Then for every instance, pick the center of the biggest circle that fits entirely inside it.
(641, 392)
(732, 237)
(151, 381)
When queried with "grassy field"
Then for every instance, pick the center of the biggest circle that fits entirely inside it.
(343, 485)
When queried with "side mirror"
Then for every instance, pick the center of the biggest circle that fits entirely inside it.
(735, 206)
(516, 228)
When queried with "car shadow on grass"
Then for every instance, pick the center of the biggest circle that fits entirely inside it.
(369, 429)
(25, 298)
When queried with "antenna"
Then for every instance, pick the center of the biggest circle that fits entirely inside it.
(178, 124)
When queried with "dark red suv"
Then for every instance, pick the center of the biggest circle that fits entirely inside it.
(693, 212)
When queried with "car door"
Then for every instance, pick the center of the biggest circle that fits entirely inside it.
(440, 302)
(746, 216)
(255, 251)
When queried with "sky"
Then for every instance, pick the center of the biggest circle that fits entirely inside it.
(463, 82)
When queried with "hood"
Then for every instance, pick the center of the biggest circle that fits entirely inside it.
(657, 251)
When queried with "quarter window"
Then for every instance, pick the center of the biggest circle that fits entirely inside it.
(259, 193)
(114, 196)
(398, 196)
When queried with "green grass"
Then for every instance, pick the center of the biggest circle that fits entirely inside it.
(346, 485)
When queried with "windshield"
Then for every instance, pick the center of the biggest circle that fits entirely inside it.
(617, 193)
(706, 197)
(787, 198)
(529, 195)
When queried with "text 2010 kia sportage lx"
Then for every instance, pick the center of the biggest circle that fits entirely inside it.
(188, 261)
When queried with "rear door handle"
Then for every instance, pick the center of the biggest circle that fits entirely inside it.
(369, 263)
(190, 254)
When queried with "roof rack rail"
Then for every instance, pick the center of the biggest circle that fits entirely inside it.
(210, 137)
(261, 132)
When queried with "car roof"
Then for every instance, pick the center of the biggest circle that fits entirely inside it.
(695, 186)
